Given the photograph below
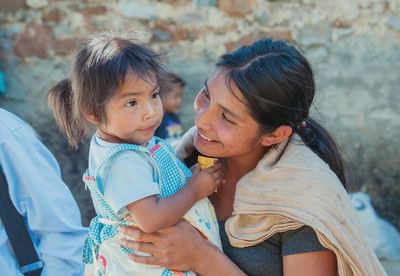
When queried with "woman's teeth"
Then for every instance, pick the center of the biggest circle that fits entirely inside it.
(205, 138)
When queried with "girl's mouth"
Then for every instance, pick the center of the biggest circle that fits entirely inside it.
(148, 129)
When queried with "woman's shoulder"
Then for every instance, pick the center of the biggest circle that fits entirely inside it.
(290, 162)
(298, 155)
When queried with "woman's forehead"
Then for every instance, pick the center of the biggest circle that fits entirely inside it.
(225, 93)
(221, 80)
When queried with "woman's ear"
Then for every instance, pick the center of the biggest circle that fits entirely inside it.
(277, 136)
(92, 118)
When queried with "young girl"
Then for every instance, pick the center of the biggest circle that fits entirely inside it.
(132, 176)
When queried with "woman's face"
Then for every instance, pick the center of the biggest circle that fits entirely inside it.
(224, 125)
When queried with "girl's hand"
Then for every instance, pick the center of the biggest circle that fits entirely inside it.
(179, 247)
(205, 182)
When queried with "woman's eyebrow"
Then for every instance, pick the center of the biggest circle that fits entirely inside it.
(205, 84)
(231, 113)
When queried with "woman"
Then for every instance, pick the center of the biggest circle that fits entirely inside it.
(283, 209)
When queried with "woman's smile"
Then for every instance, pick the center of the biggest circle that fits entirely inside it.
(204, 137)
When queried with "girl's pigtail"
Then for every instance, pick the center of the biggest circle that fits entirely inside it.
(60, 100)
(322, 143)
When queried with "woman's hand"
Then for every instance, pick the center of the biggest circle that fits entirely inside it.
(179, 247)
(184, 147)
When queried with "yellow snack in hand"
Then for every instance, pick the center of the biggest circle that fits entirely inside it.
(205, 162)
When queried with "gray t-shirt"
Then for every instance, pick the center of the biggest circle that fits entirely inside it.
(266, 258)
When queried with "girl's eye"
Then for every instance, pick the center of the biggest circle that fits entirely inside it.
(131, 103)
(155, 95)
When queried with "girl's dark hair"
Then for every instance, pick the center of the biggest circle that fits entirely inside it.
(99, 69)
(173, 81)
(278, 86)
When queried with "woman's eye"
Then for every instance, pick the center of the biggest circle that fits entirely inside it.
(226, 119)
(131, 103)
(155, 95)
(206, 94)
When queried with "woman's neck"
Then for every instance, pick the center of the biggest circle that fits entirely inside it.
(233, 170)
(237, 167)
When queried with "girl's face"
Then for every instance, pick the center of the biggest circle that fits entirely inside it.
(224, 125)
(133, 113)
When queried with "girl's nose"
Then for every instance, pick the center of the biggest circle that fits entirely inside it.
(150, 111)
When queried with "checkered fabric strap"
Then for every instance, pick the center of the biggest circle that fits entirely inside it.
(173, 172)
(104, 225)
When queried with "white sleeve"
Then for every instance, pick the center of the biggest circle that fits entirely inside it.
(129, 178)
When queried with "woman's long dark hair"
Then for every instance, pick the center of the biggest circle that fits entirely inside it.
(277, 83)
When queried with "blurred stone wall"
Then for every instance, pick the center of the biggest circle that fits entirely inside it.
(354, 46)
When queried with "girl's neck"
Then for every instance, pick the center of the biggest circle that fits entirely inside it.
(105, 136)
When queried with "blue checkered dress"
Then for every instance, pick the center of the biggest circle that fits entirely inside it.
(171, 175)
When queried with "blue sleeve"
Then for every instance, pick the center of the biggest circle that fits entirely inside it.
(40, 195)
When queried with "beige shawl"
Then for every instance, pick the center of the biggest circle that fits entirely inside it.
(291, 187)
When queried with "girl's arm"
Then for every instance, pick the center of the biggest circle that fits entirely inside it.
(191, 252)
(151, 214)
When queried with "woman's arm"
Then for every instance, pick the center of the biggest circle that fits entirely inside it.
(191, 252)
(310, 264)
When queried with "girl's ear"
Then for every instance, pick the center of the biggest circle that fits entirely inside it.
(92, 118)
(277, 136)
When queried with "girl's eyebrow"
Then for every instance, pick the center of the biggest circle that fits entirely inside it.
(136, 93)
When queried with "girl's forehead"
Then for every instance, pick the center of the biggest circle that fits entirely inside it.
(149, 77)
(135, 82)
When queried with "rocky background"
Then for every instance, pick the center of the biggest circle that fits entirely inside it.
(354, 46)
